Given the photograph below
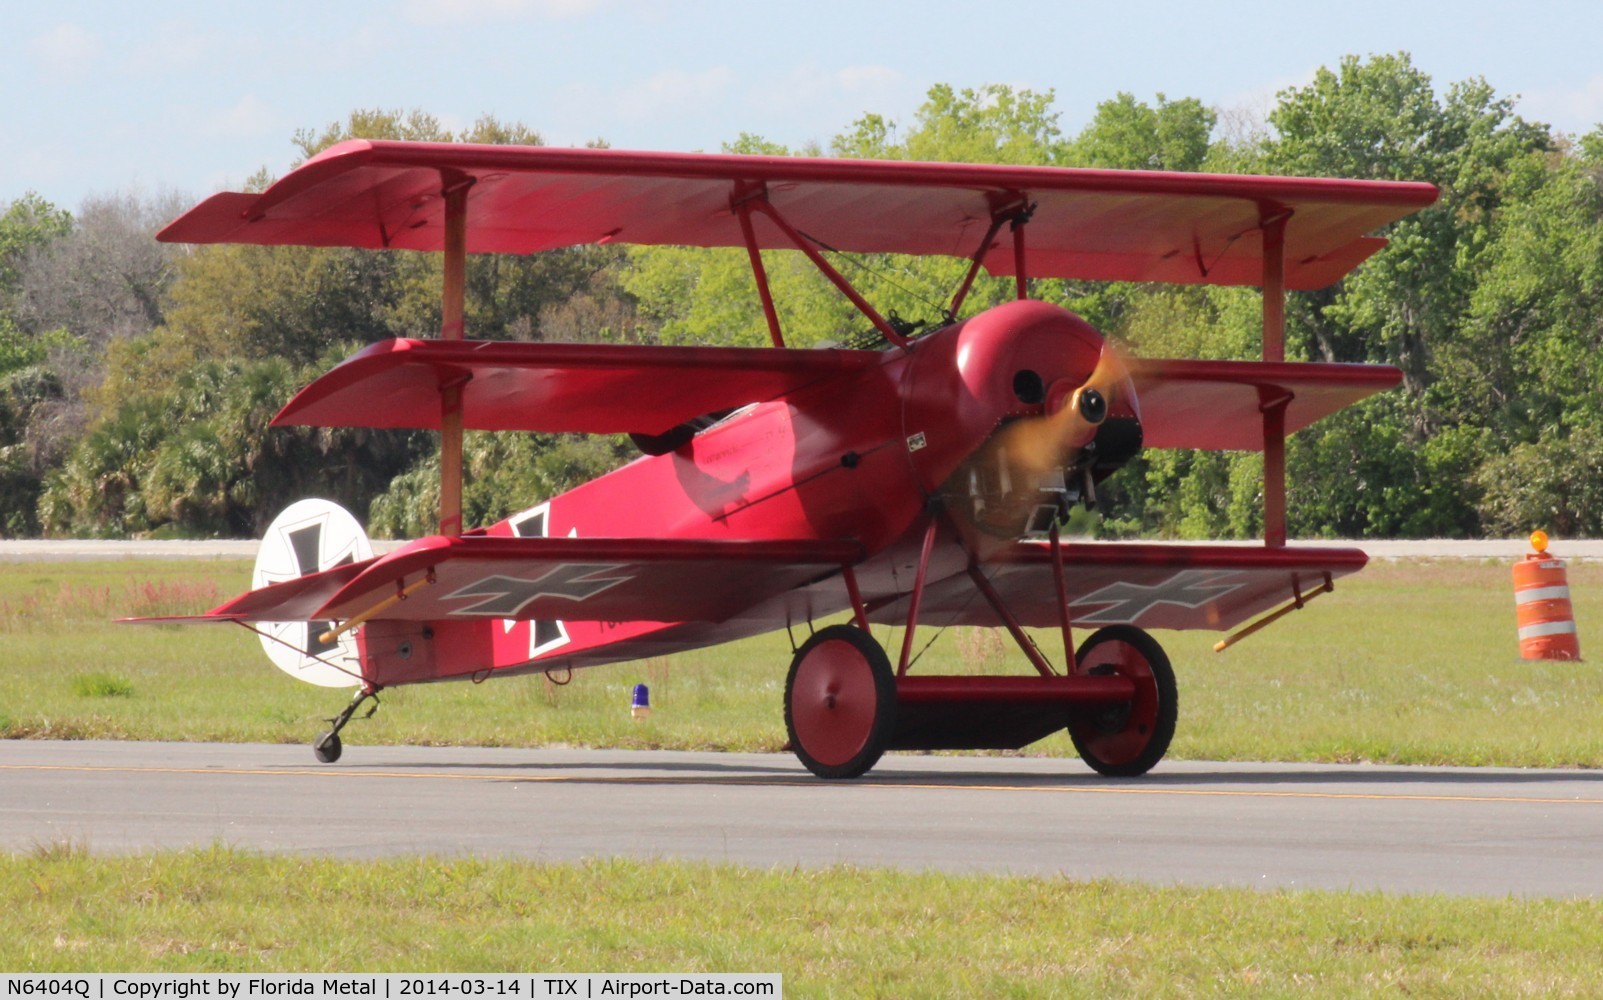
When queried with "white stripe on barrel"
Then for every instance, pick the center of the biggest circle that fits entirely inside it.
(1561, 593)
(1546, 628)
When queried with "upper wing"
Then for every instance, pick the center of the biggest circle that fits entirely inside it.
(1096, 224)
(555, 387)
(1153, 586)
(1220, 404)
(572, 579)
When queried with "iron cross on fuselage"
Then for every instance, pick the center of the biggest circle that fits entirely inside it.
(506, 596)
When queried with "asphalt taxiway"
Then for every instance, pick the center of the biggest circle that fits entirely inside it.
(1398, 829)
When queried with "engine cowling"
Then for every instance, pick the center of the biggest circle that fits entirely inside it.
(1037, 409)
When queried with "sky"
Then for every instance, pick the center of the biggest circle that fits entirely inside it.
(196, 96)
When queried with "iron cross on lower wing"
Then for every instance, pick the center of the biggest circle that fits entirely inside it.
(1127, 602)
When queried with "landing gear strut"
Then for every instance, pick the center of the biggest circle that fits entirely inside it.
(327, 747)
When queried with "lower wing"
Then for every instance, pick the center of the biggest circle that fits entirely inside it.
(1163, 586)
(522, 579)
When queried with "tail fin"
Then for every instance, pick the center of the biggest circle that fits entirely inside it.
(308, 537)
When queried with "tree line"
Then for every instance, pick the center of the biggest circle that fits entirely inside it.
(137, 378)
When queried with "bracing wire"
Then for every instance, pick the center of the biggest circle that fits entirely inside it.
(885, 276)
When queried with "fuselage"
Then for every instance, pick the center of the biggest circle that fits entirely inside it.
(860, 457)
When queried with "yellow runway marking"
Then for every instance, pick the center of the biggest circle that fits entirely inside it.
(803, 781)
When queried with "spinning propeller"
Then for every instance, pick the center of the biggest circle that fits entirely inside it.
(1023, 467)
(1033, 447)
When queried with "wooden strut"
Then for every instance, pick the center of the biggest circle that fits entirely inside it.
(1021, 280)
(859, 610)
(453, 299)
(918, 596)
(983, 585)
(1274, 349)
(1063, 601)
(760, 273)
(761, 204)
(976, 262)
(1014, 629)
(401, 594)
(1274, 471)
(1294, 604)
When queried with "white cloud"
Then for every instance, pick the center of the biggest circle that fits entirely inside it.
(173, 47)
(250, 118)
(1577, 110)
(437, 12)
(1244, 116)
(828, 93)
(674, 92)
(1265, 96)
(66, 50)
(856, 79)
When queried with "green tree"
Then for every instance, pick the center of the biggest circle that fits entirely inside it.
(1591, 147)
(247, 325)
(1126, 134)
(1554, 484)
(29, 223)
(1534, 324)
(991, 124)
(201, 460)
(33, 397)
(1381, 118)
(374, 123)
(503, 474)
(28, 396)
(1490, 302)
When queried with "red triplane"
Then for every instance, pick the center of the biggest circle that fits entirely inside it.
(918, 483)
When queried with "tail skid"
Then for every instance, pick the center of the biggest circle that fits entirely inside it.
(328, 746)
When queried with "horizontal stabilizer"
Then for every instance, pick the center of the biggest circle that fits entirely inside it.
(589, 388)
(1219, 405)
(295, 600)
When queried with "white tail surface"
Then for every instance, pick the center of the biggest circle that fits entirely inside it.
(308, 537)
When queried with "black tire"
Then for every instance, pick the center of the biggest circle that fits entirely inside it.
(327, 748)
(1128, 740)
(840, 702)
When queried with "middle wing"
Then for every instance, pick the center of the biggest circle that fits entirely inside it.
(1221, 404)
(571, 579)
(590, 388)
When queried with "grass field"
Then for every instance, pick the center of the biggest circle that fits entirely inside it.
(839, 932)
(1406, 663)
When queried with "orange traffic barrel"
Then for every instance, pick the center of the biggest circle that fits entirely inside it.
(1542, 606)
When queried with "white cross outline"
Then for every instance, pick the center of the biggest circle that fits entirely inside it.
(537, 648)
(1204, 585)
(301, 637)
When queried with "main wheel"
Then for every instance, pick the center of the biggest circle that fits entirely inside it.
(840, 702)
(1126, 740)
